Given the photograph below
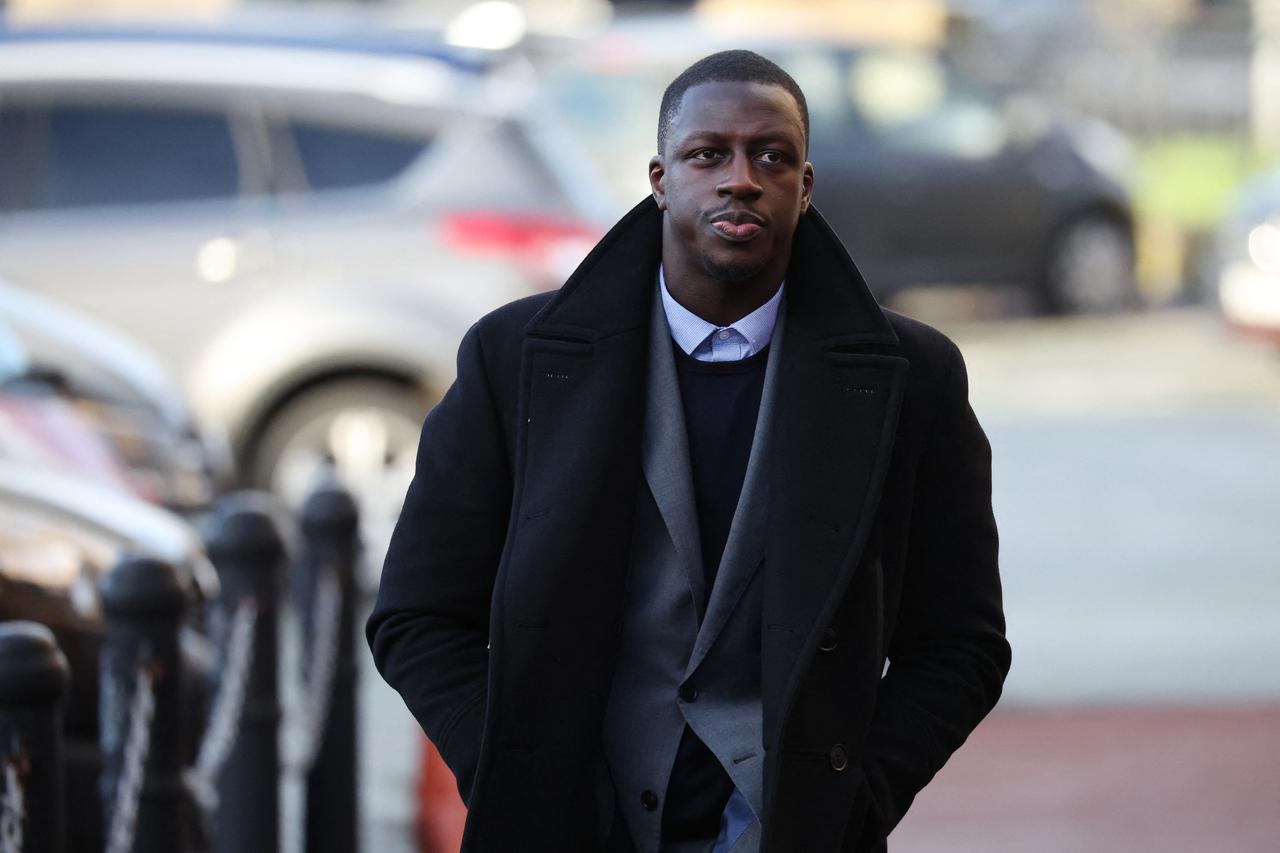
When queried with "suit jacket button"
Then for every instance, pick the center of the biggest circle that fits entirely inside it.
(649, 800)
(839, 757)
(688, 693)
(830, 639)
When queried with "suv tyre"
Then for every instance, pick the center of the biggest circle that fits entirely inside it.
(1089, 268)
(363, 429)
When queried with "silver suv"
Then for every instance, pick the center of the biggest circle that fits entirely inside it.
(303, 228)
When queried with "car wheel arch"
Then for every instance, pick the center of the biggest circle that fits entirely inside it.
(1095, 210)
(297, 387)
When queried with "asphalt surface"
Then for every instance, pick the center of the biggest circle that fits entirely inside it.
(1137, 489)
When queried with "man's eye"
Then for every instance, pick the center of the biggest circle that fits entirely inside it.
(705, 154)
(771, 156)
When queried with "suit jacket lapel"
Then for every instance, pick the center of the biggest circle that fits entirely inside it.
(743, 552)
(666, 455)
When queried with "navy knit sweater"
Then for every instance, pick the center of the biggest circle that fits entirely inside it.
(721, 402)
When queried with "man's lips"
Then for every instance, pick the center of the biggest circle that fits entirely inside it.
(737, 225)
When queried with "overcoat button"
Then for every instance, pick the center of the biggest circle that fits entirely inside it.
(839, 757)
(688, 693)
(649, 800)
(830, 639)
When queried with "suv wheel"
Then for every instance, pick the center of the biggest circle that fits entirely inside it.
(1089, 269)
(364, 430)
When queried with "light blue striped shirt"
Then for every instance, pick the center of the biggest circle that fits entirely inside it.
(709, 342)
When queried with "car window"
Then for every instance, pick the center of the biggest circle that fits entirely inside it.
(612, 107)
(821, 75)
(334, 157)
(12, 127)
(108, 155)
(613, 117)
(907, 100)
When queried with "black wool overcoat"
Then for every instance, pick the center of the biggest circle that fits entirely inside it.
(502, 593)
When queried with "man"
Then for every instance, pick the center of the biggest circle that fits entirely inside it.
(699, 555)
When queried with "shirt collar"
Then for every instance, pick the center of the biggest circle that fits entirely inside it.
(689, 330)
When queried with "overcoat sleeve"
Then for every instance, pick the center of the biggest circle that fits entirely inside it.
(429, 628)
(948, 655)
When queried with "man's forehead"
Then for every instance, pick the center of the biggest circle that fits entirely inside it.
(721, 105)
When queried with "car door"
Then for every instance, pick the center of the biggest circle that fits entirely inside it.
(846, 167)
(921, 179)
(144, 210)
(341, 211)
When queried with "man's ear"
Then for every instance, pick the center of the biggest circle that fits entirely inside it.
(806, 187)
(657, 172)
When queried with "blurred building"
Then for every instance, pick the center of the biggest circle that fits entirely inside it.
(29, 10)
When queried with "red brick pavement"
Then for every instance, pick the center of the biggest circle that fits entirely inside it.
(1173, 780)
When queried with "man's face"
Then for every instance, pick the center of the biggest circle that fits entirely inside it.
(733, 179)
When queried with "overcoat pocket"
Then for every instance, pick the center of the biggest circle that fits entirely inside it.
(861, 831)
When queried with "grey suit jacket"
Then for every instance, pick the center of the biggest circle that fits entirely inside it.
(666, 642)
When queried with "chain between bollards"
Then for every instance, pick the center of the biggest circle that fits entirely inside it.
(124, 812)
(224, 721)
(321, 666)
(141, 721)
(13, 809)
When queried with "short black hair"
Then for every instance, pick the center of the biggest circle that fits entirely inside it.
(727, 66)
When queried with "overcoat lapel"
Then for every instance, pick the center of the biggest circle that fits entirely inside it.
(840, 388)
(577, 469)
(744, 549)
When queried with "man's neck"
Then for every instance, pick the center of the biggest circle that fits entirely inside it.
(722, 303)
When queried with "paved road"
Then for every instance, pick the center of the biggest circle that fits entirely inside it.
(1137, 487)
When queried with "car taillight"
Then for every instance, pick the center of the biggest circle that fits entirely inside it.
(548, 249)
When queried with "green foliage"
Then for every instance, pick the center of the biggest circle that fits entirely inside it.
(1190, 180)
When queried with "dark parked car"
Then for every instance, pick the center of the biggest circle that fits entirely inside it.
(76, 396)
(927, 179)
(94, 442)
(59, 537)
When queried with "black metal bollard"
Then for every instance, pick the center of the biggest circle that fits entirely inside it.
(241, 750)
(140, 715)
(33, 681)
(329, 547)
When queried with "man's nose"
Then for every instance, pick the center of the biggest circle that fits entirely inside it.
(739, 180)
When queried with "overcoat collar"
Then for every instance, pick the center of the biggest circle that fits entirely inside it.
(840, 386)
(611, 290)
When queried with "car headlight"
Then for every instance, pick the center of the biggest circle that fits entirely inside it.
(1264, 246)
